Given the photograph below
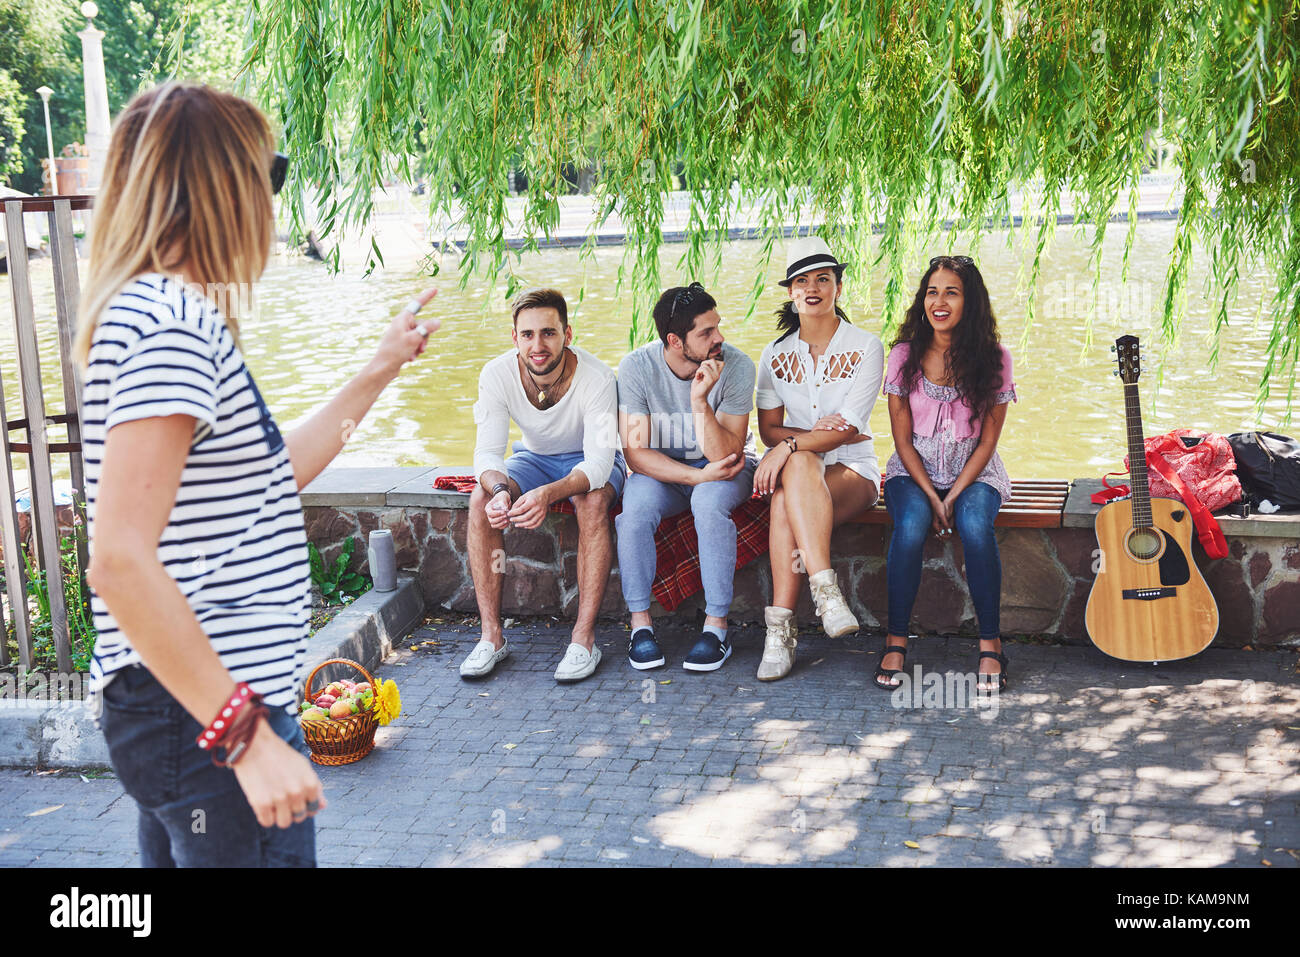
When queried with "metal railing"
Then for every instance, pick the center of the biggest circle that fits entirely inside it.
(38, 448)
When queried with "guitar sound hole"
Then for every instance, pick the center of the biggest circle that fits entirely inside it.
(1144, 544)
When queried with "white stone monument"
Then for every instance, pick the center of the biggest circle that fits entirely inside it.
(97, 120)
(44, 93)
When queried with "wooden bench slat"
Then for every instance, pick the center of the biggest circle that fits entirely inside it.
(1032, 520)
(1034, 503)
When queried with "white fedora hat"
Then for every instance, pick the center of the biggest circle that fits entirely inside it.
(806, 254)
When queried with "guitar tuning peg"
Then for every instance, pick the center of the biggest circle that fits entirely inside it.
(1112, 348)
(1114, 372)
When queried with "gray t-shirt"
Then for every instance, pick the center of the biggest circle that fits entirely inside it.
(646, 386)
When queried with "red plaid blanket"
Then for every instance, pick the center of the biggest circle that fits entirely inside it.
(677, 550)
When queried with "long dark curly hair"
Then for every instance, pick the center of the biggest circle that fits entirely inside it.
(975, 359)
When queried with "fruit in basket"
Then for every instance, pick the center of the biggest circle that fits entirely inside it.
(340, 709)
(315, 714)
(324, 700)
(336, 688)
(363, 687)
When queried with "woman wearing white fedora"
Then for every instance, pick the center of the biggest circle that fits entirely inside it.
(817, 384)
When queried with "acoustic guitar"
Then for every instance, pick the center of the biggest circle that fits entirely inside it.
(1149, 601)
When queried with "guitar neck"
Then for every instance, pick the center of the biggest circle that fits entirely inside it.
(1137, 458)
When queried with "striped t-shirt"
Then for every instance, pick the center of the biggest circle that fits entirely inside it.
(234, 541)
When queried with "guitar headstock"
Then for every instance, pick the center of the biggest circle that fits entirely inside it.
(1129, 359)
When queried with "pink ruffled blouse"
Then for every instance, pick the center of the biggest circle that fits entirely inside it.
(942, 432)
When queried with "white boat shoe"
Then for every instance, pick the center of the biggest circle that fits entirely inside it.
(577, 663)
(483, 658)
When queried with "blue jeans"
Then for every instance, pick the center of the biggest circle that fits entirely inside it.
(973, 515)
(192, 813)
(647, 501)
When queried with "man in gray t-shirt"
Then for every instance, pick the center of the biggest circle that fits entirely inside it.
(683, 412)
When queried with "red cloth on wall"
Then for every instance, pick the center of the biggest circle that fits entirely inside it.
(1209, 468)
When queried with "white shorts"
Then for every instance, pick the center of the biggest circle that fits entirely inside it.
(860, 457)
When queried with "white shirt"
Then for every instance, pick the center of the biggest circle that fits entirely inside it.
(845, 380)
(584, 420)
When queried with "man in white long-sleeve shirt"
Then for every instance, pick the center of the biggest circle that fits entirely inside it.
(565, 402)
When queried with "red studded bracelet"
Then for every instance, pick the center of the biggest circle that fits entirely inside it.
(220, 725)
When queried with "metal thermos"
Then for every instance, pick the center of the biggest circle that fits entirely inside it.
(383, 560)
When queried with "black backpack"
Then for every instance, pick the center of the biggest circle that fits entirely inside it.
(1268, 465)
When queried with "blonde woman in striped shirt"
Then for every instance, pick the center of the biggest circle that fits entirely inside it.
(199, 557)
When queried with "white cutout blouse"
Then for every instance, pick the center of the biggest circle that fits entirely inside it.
(845, 380)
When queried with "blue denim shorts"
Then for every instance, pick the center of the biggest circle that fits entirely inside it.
(192, 813)
(530, 470)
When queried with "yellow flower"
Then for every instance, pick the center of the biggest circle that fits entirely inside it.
(388, 702)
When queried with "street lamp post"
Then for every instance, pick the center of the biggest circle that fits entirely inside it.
(92, 64)
(44, 93)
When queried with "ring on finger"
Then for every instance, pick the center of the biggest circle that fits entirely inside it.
(313, 807)
(413, 307)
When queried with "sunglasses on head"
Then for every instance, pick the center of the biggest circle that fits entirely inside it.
(279, 166)
(685, 295)
(960, 260)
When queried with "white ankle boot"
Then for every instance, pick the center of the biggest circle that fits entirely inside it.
(833, 610)
(778, 645)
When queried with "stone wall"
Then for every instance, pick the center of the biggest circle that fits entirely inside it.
(1046, 573)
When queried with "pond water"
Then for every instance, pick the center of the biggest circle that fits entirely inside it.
(313, 330)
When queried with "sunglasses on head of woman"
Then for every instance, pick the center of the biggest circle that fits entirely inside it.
(959, 260)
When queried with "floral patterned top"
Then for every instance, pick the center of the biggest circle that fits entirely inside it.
(944, 450)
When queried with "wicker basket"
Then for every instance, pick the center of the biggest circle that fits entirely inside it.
(344, 740)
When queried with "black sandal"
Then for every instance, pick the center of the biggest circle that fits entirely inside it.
(986, 686)
(883, 672)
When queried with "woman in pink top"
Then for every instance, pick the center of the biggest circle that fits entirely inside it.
(949, 381)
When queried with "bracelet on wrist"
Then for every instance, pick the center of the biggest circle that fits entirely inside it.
(219, 726)
(499, 488)
(240, 736)
(233, 727)
(792, 443)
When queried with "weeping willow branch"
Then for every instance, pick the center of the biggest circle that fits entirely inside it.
(901, 114)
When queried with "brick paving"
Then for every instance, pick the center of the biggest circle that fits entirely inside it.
(1086, 761)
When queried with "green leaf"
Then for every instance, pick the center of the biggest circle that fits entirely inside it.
(885, 123)
(317, 564)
